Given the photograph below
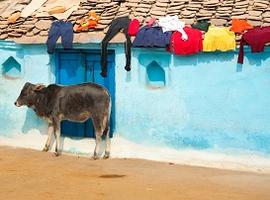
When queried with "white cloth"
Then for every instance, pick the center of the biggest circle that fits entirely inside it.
(172, 23)
(32, 7)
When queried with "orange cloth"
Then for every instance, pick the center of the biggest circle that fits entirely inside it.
(240, 25)
(91, 21)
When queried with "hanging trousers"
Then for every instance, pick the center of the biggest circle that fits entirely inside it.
(63, 29)
(117, 25)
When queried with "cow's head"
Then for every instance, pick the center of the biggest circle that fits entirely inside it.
(28, 94)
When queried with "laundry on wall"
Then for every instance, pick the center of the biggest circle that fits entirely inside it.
(167, 32)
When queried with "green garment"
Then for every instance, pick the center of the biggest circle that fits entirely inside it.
(202, 25)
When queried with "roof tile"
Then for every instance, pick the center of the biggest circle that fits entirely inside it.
(220, 12)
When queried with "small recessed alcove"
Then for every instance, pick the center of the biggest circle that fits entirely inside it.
(155, 75)
(11, 68)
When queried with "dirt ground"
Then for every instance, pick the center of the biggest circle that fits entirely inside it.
(29, 174)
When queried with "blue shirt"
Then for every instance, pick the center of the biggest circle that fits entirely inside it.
(150, 37)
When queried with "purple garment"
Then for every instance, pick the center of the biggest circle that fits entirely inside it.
(256, 38)
(150, 37)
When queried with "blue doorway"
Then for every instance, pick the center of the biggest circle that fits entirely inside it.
(79, 66)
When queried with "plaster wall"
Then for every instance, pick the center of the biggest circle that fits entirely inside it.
(199, 109)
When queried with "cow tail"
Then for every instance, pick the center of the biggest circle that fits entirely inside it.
(106, 121)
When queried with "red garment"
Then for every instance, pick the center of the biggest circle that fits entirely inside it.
(256, 38)
(133, 27)
(186, 47)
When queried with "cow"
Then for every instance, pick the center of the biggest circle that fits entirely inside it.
(76, 103)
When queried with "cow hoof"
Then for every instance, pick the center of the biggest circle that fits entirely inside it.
(45, 149)
(106, 155)
(56, 154)
(94, 157)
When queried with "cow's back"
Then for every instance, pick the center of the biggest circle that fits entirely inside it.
(81, 100)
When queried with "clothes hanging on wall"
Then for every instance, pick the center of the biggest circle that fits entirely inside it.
(150, 37)
(240, 25)
(88, 22)
(190, 46)
(116, 26)
(172, 23)
(256, 38)
(151, 21)
(60, 29)
(217, 38)
(134, 27)
(202, 25)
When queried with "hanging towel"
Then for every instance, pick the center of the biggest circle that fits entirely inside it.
(172, 23)
(256, 38)
(218, 38)
(240, 25)
(32, 7)
(120, 23)
(190, 46)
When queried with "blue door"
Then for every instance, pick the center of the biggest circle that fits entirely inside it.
(84, 66)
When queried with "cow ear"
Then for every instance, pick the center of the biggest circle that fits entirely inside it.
(39, 87)
(27, 84)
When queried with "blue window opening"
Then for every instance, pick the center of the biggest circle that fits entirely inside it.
(79, 66)
(11, 68)
(155, 76)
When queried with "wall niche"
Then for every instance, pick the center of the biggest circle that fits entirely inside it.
(11, 68)
(155, 76)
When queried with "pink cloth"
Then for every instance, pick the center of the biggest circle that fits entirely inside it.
(151, 21)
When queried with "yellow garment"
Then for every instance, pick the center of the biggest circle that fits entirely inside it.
(218, 38)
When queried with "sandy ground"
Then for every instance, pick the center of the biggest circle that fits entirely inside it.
(29, 174)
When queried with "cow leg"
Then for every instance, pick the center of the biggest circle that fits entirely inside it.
(57, 133)
(108, 144)
(48, 142)
(98, 141)
(98, 131)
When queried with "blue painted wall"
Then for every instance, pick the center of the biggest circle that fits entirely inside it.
(204, 102)
(208, 102)
(35, 67)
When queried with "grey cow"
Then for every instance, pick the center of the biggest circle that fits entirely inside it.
(77, 103)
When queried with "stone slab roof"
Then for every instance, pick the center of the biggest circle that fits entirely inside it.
(220, 12)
